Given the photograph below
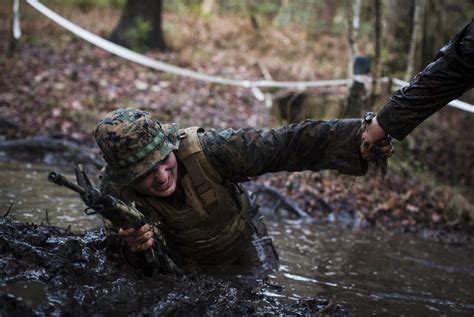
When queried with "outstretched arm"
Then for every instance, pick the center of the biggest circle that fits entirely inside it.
(449, 76)
(309, 145)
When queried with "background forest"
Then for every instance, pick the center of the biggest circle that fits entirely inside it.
(399, 245)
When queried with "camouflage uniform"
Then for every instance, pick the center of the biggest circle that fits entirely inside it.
(132, 143)
(449, 76)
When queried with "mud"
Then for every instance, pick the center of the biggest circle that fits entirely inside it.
(330, 269)
(46, 270)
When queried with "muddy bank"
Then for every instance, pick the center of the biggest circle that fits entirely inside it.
(324, 269)
(393, 204)
(47, 270)
(52, 151)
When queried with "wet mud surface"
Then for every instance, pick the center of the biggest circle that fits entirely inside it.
(47, 270)
(328, 269)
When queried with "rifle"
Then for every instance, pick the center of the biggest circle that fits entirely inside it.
(118, 212)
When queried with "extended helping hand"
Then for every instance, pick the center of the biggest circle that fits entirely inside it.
(376, 144)
(138, 240)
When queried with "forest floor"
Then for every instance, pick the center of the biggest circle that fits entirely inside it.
(58, 85)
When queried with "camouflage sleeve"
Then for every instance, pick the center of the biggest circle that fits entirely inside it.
(310, 145)
(445, 79)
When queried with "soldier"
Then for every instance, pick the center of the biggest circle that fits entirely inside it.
(449, 76)
(186, 181)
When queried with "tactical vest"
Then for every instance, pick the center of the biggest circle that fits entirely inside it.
(211, 227)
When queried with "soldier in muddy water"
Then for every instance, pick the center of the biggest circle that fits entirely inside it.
(186, 181)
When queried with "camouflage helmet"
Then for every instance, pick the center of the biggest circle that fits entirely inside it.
(132, 143)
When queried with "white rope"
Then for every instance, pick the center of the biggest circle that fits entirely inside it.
(179, 71)
(155, 64)
(16, 20)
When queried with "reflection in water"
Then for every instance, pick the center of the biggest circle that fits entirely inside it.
(37, 200)
(373, 271)
(32, 292)
(368, 272)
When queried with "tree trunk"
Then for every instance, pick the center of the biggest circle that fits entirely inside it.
(208, 7)
(140, 26)
(416, 39)
(353, 22)
(378, 44)
(356, 101)
(357, 90)
(284, 15)
(397, 17)
(15, 32)
(251, 8)
(432, 40)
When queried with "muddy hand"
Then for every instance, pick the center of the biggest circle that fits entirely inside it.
(138, 240)
(375, 143)
(382, 149)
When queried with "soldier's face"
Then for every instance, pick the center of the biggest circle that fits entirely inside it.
(161, 180)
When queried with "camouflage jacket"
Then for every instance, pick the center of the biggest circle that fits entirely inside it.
(238, 154)
(309, 145)
(449, 76)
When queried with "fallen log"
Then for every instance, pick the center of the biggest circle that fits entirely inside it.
(280, 201)
(48, 149)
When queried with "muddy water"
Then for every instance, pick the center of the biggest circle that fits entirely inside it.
(367, 272)
(373, 272)
(39, 201)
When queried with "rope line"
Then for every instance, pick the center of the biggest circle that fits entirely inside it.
(16, 20)
(155, 64)
(143, 60)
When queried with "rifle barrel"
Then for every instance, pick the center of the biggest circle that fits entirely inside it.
(117, 212)
(59, 179)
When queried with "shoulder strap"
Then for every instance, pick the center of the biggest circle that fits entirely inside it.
(201, 172)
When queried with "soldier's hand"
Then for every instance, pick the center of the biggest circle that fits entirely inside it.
(138, 240)
(375, 143)
(382, 149)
